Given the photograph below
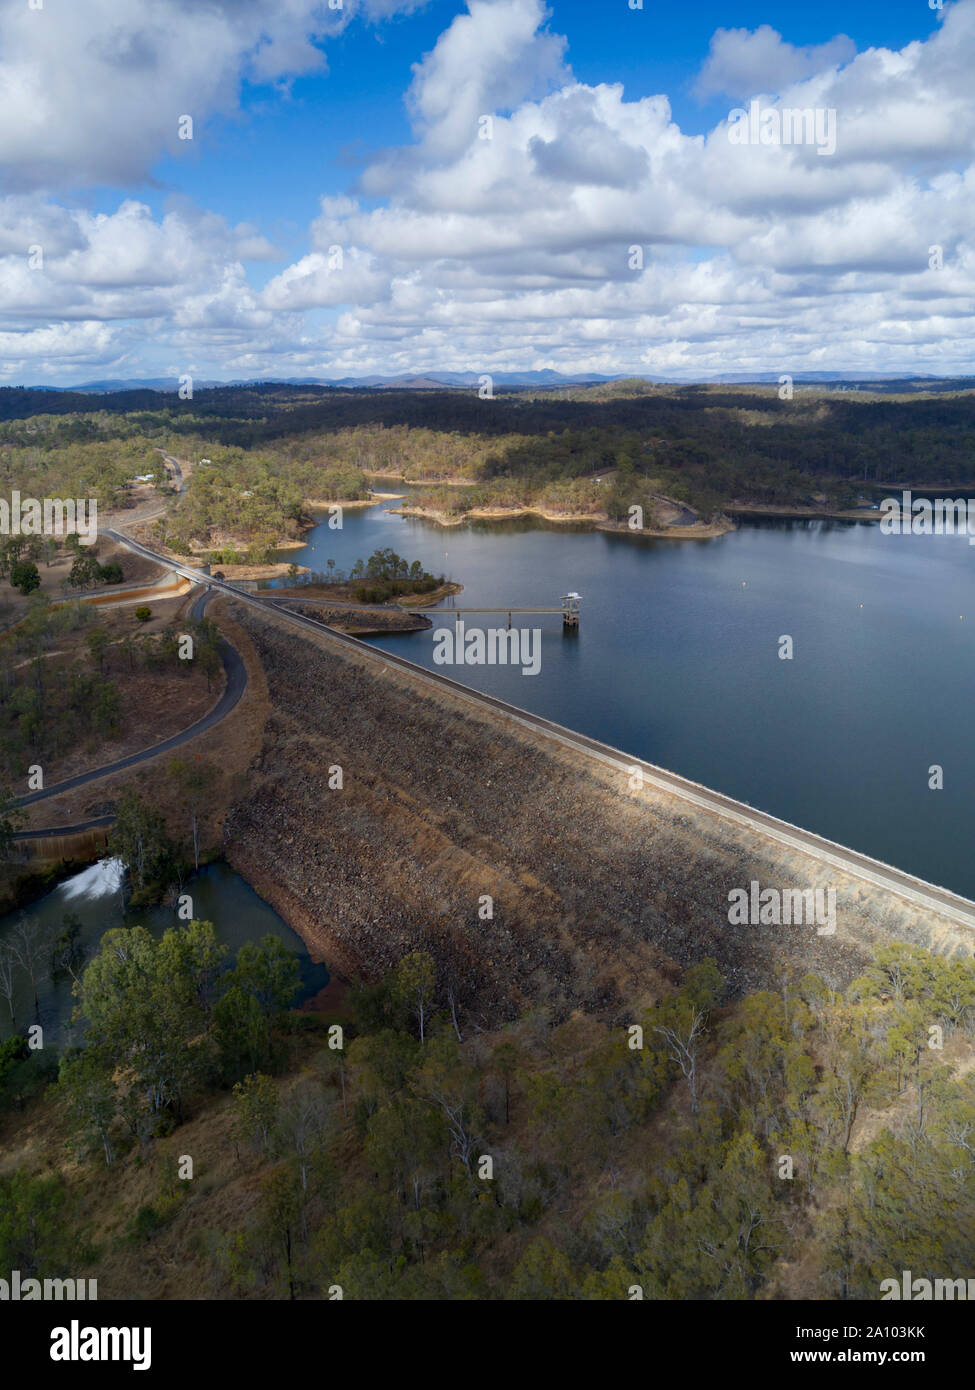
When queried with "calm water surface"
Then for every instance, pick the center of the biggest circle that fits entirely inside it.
(676, 660)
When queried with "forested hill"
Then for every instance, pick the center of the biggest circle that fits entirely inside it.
(796, 1143)
(244, 415)
(706, 445)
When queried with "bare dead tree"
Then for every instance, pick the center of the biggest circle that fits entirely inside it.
(456, 1113)
(684, 1045)
(8, 961)
(30, 944)
(303, 1123)
(452, 1001)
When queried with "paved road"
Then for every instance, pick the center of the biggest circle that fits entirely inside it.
(234, 689)
(904, 885)
(177, 470)
(52, 831)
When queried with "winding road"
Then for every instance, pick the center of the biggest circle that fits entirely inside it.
(235, 686)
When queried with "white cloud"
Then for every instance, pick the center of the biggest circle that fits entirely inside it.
(743, 63)
(516, 251)
(92, 91)
(491, 59)
(99, 268)
(505, 249)
(321, 281)
(586, 150)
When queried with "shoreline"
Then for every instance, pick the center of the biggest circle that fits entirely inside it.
(745, 509)
(588, 521)
(700, 531)
(592, 521)
(364, 619)
(307, 523)
(321, 505)
(37, 883)
(276, 570)
(409, 601)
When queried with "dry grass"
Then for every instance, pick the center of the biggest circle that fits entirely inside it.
(135, 569)
(230, 747)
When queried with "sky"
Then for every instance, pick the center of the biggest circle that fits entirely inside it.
(237, 189)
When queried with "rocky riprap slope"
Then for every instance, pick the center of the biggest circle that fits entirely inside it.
(598, 894)
(368, 618)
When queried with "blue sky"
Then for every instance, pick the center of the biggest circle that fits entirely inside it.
(212, 255)
(312, 139)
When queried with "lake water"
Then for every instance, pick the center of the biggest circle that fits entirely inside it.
(95, 897)
(677, 660)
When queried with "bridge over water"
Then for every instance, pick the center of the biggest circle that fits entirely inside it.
(569, 610)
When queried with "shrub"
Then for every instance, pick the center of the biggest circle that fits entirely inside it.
(146, 1223)
(25, 576)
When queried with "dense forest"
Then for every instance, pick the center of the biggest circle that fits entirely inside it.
(797, 1142)
(272, 447)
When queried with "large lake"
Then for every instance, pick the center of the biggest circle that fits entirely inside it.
(677, 660)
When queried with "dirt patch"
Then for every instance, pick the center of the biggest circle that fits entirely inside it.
(696, 531)
(136, 570)
(234, 572)
(598, 521)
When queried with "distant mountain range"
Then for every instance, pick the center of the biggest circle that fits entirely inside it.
(433, 381)
(430, 381)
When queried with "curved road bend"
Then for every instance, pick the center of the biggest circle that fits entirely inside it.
(915, 890)
(234, 689)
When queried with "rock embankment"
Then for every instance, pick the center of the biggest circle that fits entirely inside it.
(366, 620)
(596, 892)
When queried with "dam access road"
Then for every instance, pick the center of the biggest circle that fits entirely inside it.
(236, 684)
(927, 897)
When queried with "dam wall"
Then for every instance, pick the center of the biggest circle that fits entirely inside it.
(450, 810)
